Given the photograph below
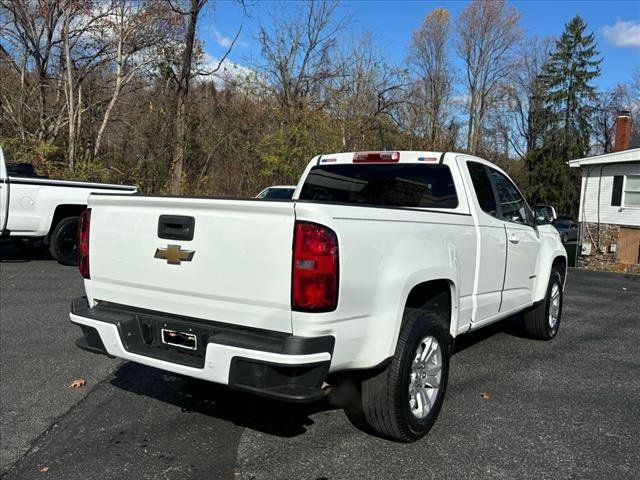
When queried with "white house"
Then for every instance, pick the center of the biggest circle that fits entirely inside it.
(610, 211)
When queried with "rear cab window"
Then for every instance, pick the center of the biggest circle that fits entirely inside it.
(385, 185)
(483, 188)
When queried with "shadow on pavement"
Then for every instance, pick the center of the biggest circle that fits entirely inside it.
(192, 395)
(511, 326)
(17, 251)
(257, 413)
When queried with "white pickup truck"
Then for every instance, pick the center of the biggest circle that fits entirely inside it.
(369, 273)
(39, 209)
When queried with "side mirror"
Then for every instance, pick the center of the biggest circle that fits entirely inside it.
(544, 214)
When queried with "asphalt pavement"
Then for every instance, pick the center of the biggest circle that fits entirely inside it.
(515, 408)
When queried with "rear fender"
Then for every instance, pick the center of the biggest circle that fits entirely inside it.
(422, 276)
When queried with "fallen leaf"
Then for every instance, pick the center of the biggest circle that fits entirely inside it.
(78, 383)
(44, 469)
(485, 396)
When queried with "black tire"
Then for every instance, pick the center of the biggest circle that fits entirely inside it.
(537, 321)
(64, 241)
(384, 407)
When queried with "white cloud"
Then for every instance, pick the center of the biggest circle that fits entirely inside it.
(232, 73)
(623, 34)
(224, 42)
(228, 69)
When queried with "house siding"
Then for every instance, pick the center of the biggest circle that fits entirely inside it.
(595, 197)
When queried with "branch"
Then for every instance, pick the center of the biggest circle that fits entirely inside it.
(224, 57)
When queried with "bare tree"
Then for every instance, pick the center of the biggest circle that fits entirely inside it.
(299, 50)
(608, 105)
(182, 93)
(634, 106)
(487, 31)
(133, 32)
(71, 9)
(183, 79)
(84, 52)
(433, 73)
(366, 96)
(520, 95)
(31, 30)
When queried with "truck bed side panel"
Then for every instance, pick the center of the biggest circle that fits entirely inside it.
(384, 253)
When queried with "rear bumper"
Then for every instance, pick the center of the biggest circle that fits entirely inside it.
(271, 364)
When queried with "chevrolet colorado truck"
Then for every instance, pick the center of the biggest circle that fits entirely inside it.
(38, 209)
(373, 269)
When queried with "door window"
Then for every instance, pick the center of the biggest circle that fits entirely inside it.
(513, 207)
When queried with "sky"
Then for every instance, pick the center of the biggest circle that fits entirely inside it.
(615, 23)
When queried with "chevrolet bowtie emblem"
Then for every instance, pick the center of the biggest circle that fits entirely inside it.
(173, 254)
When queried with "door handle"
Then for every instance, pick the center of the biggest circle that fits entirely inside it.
(176, 227)
(513, 238)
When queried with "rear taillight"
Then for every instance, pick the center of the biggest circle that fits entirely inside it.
(83, 243)
(375, 157)
(315, 268)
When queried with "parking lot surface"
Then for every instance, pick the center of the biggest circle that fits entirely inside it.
(515, 408)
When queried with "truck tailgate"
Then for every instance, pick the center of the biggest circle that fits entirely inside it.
(240, 271)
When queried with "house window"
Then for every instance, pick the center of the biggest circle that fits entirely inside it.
(616, 193)
(632, 191)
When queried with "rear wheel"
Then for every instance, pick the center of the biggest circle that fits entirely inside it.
(64, 241)
(542, 322)
(402, 401)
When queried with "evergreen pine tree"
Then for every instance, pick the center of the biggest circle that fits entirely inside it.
(563, 117)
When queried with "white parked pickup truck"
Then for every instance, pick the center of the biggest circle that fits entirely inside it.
(39, 209)
(369, 273)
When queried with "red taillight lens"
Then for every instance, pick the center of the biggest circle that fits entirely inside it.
(315, 268)
(368, 157)
(83, 243)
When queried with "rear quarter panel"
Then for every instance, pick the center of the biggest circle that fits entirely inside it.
(384, 253)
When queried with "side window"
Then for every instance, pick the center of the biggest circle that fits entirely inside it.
(512, 206)
(483, 188)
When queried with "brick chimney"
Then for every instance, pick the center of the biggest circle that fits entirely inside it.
(623, 131)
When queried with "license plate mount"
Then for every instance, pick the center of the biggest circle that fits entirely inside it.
(179, 339)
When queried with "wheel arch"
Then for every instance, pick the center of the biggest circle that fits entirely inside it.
(553, 259)
(64, 211)
(437, 295)
(560, 264)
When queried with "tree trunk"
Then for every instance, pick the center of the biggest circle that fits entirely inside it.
(182, 94)
(112, 103)
(470, 130)
(71, 149)
(117, 87)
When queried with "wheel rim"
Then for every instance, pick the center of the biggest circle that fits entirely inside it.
(68, 242)
(424, 382)
(554, 307)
